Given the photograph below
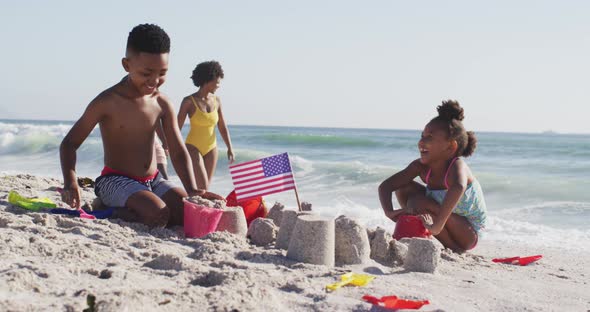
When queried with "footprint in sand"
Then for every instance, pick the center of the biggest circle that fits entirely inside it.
(231, 264)
(166, 262)
(209, 279)
(105, 274)
(64, 222)
(559, 276)
(4, 222)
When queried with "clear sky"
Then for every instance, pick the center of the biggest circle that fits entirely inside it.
(514, 65)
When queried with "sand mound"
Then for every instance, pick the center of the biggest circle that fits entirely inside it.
(262, 232)
(352, 242)
(61, 263)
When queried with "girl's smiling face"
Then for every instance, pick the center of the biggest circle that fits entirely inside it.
(212, 85)
(434, 144)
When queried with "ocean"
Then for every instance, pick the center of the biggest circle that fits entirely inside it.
(535, 185)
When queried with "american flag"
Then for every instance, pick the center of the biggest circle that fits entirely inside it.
(262, 177)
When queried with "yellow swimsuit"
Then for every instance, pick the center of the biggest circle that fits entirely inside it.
(202, 132)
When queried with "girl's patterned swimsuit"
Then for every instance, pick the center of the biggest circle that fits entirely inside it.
(471, 205)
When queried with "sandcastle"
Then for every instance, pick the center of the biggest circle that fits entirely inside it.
(318, 240)
(276, 213)
(288, 221)
(310, 238)
(352, 242)
(233, 220)
(423, 255)
(262, 231)
(313, 240)
(305, 206)
(385, 249)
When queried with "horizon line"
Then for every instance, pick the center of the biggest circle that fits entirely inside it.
(548, 132)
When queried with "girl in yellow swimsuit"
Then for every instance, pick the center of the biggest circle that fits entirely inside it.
(203, 109)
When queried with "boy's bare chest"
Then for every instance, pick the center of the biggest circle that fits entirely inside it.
(133, 117)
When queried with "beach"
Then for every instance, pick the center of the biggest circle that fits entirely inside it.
(362, 104)
(56, 262)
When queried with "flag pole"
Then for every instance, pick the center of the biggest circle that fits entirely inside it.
(294, 184)
(297, 196)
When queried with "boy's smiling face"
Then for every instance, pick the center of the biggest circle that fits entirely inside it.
(147, 71)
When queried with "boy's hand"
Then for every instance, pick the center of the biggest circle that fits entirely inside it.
(394, 214)
(230, 156)
(211, 196)
(71, 195)
(205, 194)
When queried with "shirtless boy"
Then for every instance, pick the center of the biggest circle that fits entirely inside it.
(128, 114)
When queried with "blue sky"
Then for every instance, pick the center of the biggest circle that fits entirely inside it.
(514, 65)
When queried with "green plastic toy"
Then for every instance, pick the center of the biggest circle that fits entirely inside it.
(33, 204)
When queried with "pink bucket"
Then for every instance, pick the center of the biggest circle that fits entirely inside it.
(200, 220)
(409, 226)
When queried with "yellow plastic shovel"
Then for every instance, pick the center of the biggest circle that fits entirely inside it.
(351, 278)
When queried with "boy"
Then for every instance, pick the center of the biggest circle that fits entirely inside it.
(128, 114)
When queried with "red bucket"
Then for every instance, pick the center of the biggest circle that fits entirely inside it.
(409, 226)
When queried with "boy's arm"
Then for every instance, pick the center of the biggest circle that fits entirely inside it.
(393, 183)
(457, 182)
(179, 156)
(68, 147)
(162, 137)
(224, 131)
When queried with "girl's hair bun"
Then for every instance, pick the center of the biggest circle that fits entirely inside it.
(449, 110)
(471, 144)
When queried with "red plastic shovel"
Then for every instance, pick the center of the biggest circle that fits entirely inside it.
(518, 260)
(393, 302)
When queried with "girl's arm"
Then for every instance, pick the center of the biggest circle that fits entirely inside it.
(224, 131)
(395, 182)
(182, 113)
(457, 183)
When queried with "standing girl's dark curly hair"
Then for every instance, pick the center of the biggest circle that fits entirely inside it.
(205, 72)
(450, 115)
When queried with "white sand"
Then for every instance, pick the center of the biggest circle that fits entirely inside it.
(52, 263)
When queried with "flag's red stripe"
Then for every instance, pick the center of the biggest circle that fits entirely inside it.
(245, 169)
(247, 174)
(254, 195)
(264, 182)
(245, 163)
(265, 187)
(236, 183)
(242, 183)
(265, 193)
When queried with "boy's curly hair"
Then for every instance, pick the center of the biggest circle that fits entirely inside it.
(148, 38)
(450, 114)
(205, 72)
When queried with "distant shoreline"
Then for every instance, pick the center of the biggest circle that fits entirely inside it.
(544, 132)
